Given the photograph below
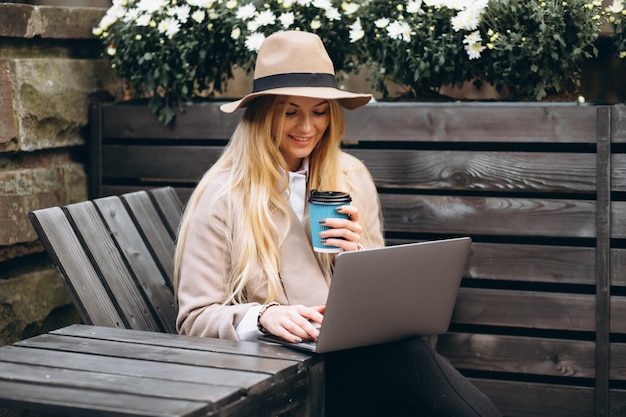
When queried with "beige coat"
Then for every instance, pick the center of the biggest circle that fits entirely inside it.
(202, 284)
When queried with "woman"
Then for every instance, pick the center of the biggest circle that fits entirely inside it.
(244, 260)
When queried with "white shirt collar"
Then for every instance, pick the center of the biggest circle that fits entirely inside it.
(297, 189)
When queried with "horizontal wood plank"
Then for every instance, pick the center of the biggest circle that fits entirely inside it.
(529, 399)
(519, 355)
(480, 171)
(525, 309)
(532, 263)
(488, 215)
(130, 367)
(472, 122)
(277, 367)
(158, 163)
(140, 123)
(76, 401)
(161, 387)
(207, 344)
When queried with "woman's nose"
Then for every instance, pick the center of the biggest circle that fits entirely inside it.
(306, 123)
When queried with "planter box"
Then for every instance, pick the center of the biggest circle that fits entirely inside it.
(541, 189)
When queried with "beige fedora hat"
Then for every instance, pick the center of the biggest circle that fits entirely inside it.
(295, 63)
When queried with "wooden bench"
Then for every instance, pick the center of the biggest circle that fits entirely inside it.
(115, 255)
(86, 370)
(539, 188)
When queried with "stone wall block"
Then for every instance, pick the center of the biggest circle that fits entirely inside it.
(27, 300)
(52, 99)
(25, 190)
(25, 21)
(8, 123)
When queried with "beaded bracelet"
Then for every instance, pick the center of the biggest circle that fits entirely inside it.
(258, 318)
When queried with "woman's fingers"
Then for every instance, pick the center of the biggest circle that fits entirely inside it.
(344, 233)
(293, 323)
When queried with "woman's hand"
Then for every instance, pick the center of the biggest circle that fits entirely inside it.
(344, 233)
(293, 323)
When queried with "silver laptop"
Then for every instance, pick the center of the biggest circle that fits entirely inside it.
(391, 293)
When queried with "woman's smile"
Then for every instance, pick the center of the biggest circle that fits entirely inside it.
(304, 124)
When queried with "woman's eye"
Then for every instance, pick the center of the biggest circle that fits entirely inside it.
(319, 113)
(290, 113)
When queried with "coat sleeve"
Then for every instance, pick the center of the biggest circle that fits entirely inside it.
(202, 287)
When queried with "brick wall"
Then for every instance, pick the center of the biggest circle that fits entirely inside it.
(50, 68)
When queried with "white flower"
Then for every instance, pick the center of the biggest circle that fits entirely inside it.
(474, 49)
(151, 6)
(200, 3)
(316, 24)
(399, 30)
(286, 19)
(252, 26)
(466, 19)
(414, 6)
(198, 16)
(143, 20)
(182, 13)
(235, 34)
(169, 26)
(265, 18)
(304, 3)
(617, 6)
(356, 31)
(473, 37)
(333, 14)
(287, 4)
(473, 45)
(254, 41)
(349, 8)
(322, 4)
(231, 4)
(382, 23)
(246, 12)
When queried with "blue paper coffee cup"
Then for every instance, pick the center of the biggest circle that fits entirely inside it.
(323, 205)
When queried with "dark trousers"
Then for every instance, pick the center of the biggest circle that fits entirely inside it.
(406, 378)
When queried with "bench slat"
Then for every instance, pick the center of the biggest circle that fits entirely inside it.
(115, 384)
(158, 163)
(488, 216)
(155, 286)
(131, 367)
(112, 268)
(63, 400)
(525, 309)
(538, 399)
(154, 231)
(169, 206)
(477, 122)
(523, 355)
(73, 264)
(480, 171)
(279, 368)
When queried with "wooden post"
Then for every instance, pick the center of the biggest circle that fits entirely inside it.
(603, 261)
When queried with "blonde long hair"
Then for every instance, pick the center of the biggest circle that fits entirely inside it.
(256, 189)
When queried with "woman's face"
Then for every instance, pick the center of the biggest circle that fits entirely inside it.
(306, 120)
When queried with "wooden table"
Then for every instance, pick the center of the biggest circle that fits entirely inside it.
(85, 371)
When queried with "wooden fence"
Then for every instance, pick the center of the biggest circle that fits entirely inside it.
(540, 188)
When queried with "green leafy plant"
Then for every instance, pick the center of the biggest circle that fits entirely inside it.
(616, 17)
(173, 51)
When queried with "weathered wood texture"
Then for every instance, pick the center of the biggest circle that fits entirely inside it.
(541, 189)
(88, 371)
(115, 255)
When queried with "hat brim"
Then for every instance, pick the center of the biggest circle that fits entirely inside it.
(346, 99)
